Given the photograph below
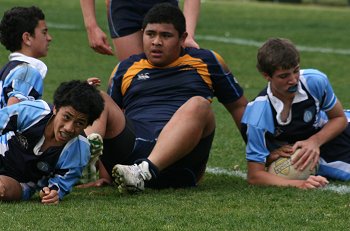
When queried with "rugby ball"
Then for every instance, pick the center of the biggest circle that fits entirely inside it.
(283, 167)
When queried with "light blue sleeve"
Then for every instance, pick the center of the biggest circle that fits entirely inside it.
(26, 83)
(320, 87)
(20, 116)
(73, 159)
(259, 120)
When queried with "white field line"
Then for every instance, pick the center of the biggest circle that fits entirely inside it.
(341, 189)
(247, 42)
(225, 39)
(63, 26)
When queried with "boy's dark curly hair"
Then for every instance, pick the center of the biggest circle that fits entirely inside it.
(17, 21)
(82, 96)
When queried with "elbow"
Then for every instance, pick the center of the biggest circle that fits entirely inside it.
(345, 123)
(251, 179)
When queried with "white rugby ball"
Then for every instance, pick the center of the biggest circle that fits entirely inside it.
(283, 167)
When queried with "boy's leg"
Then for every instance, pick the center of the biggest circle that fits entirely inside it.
(10, 189)
(109, 125)
(193, 121)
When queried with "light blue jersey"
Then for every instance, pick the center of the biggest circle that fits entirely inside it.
(22, 127)
(22, 78)
(265, 131)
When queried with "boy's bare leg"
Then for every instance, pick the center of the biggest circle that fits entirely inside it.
(10, 189)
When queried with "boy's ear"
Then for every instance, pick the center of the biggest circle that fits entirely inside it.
(266, 76)
(27, 39)
(183, 37)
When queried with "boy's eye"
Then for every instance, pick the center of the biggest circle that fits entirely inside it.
(79, 124)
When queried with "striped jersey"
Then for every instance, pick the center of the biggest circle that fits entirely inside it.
(22, 127)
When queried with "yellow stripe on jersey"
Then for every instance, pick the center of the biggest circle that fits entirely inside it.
(186, 60)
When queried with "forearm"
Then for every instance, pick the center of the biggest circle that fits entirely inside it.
(88, 10)
(264, 178)
(236, 109)
(191, 12)
(331, 129)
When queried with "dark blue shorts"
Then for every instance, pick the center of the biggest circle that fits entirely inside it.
(125, 16)
(126, 148)
(337, 149)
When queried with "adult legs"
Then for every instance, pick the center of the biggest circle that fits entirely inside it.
(128, 45)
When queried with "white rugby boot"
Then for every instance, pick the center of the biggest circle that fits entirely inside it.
(96, 150)
(131, 178)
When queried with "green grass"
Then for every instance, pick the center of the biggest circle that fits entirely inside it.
(221, 202)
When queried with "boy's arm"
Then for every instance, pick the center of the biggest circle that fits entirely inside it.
(191, 12)
(257, 175)
(24, 83)
(97, 38)
(73, 159)
(310, 148)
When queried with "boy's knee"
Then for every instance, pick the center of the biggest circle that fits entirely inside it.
(10, 189)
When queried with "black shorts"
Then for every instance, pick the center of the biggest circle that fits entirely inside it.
(337, 149)
(126, 16)
(126, 148)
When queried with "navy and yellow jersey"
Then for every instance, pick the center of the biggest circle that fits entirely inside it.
(22, 127)
(151, 95)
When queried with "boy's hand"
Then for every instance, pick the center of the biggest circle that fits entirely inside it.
(94, 81)
(49, 196)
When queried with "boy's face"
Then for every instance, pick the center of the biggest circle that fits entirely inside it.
(39, 42)
(162, 44)
(68, 123)
(283, 83)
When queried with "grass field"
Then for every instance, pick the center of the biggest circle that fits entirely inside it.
(223, 201)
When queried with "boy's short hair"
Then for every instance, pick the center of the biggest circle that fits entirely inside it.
(277, 53)
(17, 21)
(166, 13)
(80, 95)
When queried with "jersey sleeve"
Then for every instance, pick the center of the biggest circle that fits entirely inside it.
(70, 165)
(258, 119)
(19, 117)
(24, 82)
(320, 87)
(226, 86)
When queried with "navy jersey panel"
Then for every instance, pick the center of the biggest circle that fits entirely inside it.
(17, 156)
(151, 95)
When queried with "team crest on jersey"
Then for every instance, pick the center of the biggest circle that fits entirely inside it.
(22, 140)
(278, 131)
(43, 166)
(143, 76)
(307, 116)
